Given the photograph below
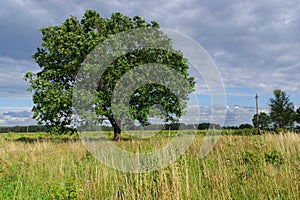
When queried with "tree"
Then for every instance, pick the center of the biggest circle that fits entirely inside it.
(281, 110)
(245, 126)
(297, 115)
(264, 120)
(66, 46)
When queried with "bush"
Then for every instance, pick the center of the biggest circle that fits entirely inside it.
(250, 131)
(250, 157)
(274, 157)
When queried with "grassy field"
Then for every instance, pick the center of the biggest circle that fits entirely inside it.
(35, 166)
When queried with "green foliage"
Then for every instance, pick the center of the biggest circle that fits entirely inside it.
(297, 115)
(245, 131)
(245, 126)
(66, 46)
(250, 158)
(23, 129)
(264, 121)
(274, 157)
(281, 110)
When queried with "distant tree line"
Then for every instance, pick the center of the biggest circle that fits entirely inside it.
(242, 126)
(201, 126)
(23, 129)
(170, 126)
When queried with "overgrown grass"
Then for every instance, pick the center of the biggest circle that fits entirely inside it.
(239, 167)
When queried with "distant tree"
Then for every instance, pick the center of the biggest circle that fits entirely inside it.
(282, 112)
(65, 47)
(264, 121)
(245, 126)
(297, 118)
(297, 115)
(230, 127)
(204, 126)
(23, 129)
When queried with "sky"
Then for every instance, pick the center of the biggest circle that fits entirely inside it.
(255, 45)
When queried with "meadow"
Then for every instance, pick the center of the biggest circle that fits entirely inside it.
(39, 166)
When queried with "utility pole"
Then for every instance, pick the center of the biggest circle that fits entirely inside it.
(257, 117)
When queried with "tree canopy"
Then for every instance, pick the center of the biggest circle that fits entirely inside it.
(264, 121)
(281, 110)
(297, 116)
(64, 49)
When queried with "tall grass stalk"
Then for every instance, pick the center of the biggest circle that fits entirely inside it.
(239, 167)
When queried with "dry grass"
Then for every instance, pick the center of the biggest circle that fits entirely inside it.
(239, 167)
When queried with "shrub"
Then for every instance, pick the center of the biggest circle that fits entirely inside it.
(274, 157)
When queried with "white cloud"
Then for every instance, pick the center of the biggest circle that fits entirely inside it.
(12, 116)
(234, 115)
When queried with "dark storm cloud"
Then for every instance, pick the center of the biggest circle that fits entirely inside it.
(11, 77)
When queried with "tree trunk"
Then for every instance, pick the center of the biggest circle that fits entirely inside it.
(117, 129)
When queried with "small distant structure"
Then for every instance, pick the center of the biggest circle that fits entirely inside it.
(257, 117)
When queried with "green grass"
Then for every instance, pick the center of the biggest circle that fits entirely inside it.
(38, 166)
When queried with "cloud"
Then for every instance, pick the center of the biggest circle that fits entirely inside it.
(234, 114)
(252, 42)
(245, 39)
(18, 114)
(255, 44)
(264, 81)
(12, 72)
(17, 117)
(19, 34)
